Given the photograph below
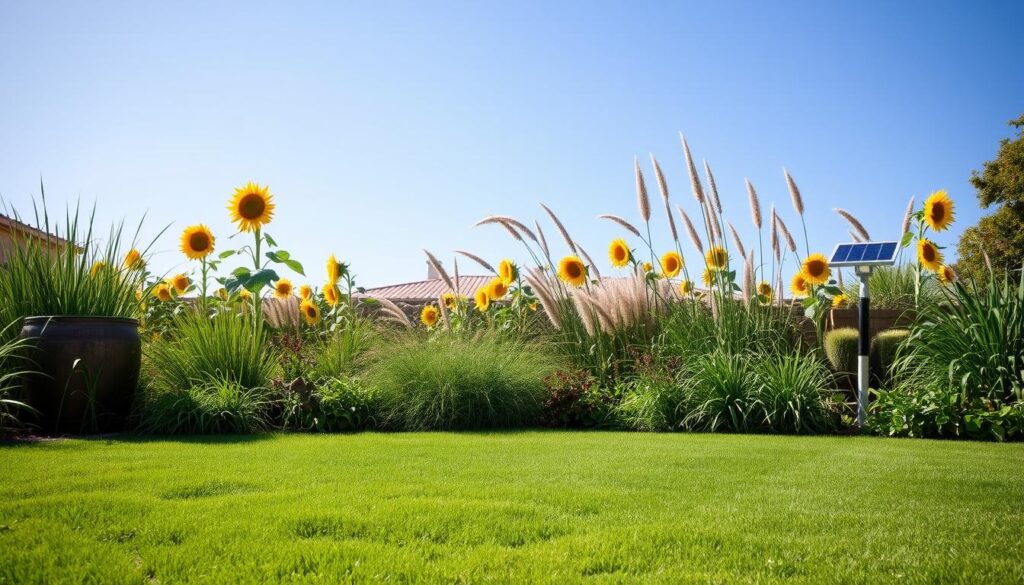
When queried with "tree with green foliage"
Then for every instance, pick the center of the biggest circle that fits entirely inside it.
(1000, 235)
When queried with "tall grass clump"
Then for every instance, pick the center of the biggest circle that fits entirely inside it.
(791, 391)
(13, 367)
(211, 407)
(455, 382)
(67, 268)
(961, 370)
(893, 287)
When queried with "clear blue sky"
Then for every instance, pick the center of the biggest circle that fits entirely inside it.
(383, 128)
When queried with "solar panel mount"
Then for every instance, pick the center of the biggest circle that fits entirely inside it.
(864, 254)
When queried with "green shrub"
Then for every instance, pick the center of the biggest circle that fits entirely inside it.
(334, 405)
(56, 276)
(841, 347)
(335, 356)
(575, 400)
(884, 349)
(721, 393)
(651, 404)
(892, 287)
(201, 349)
(961, 370)
(691, 330)
(215, 406)
(460, 383)
(792, 394)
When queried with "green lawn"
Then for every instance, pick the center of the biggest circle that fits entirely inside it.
(529, 506)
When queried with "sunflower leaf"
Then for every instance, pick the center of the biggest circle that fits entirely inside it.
(833, 290)
(269, 240)
(226, 254)
(260, 279)
(240, 272)
(907, 238)
(283, 257)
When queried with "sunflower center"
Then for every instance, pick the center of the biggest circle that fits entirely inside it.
(199, 242)
(938, 212)
(251, 206)
(815, 268)
(620, 254)
(573, 270)
(929, 253)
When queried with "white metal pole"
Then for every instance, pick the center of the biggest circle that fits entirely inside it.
(863, 347)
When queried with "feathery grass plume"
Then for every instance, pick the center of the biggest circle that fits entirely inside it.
(642, 202)
(585, 312)
(794, 193)
(436, 264)
(736, 240)
(663, 187)
(505, 219)
(590, 261)
(542, 240)
(839, 279)
(444, 311)
(748, 277)
(546, 297)
(458, 289)
(712, 188)
(755, 205)
(476, 259)
(988, 262)
(854, 236)
(698, 190)
(857, 226)
(561, 228)
(790, 243)
(773, 232)
(391, 310)
(691, 231)
(282, 313)
(709, 216)
(621, 222)
(905, 227)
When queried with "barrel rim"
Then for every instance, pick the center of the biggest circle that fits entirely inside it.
(80, 319)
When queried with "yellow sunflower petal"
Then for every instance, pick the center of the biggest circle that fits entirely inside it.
(938, 211)
(251, 207)
(572, 271)
(197, 242)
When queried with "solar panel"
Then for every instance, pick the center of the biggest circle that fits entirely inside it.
(864, 254)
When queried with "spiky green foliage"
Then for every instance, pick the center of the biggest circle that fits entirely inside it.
(202, 349)
(335, 356)
(53, 274)
(693, 329)
(211, 407)
(791, 394)
(453, 382)
(841, 349)
(651, 404)
(721, 393)
(892, 287)
(13, 366)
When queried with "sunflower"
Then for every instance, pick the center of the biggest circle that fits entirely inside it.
(815, 269)
(496, 288)
(305, 292)
(619, 253)
(928, 255)
(283, 288)
(508, 272)
(938, 211)
(671, 264)
(331, 294)
(764, 290)
(245, 295)
(450, 300)
(162, 291)
(310, 312)
(133, 260)
(180, 283)
(481, 300)
(251, 207)
(572, 271)
(946, 275)
(647, 266)
(97, 266)
(222, 293)
(839, 300)
(196, 242)
(333, 269)
(799, 286)
(429, 315)
(717, 258)
(708, 278)
(686, 288)
(533, 305)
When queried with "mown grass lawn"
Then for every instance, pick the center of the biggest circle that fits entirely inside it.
(522, 506)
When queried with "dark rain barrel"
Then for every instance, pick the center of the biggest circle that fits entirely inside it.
(88, 370)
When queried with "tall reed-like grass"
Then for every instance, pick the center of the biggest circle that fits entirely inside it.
(892, 287)
(13, 367)
(66, 268)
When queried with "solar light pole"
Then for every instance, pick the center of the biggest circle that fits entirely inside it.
(862, 257)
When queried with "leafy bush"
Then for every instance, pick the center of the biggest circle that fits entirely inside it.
(575, 400)
(961, 372)
(791, 394)
(884, 349)
(461, 383)
(200, 349)
(841, 349)
(214, 406)
(652, 404)
(334, 405)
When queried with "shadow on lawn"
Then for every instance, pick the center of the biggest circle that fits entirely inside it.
(115, 438)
